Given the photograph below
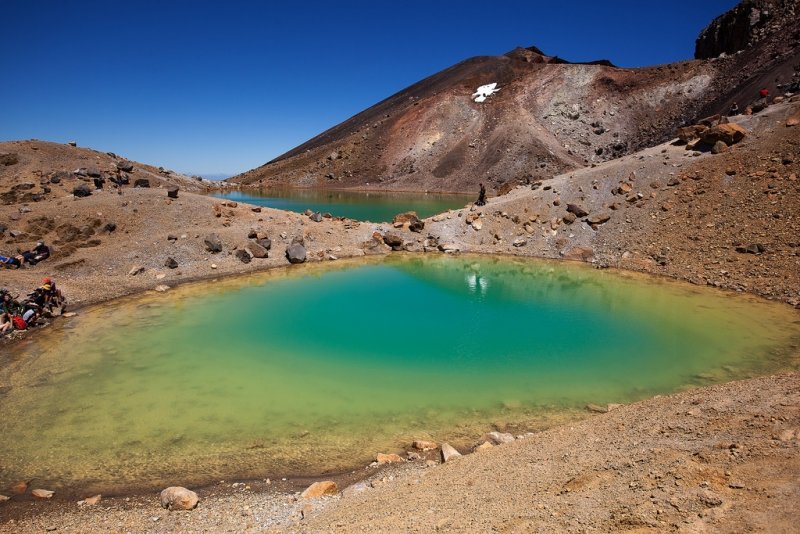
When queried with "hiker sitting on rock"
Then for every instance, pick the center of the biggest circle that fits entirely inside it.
(481, 197)
(39, 253)
(52, 295)
(10, 262)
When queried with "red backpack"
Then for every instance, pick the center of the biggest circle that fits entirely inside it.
(19, 322)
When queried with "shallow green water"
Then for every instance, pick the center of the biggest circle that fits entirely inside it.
(361, 206)
(317, 368)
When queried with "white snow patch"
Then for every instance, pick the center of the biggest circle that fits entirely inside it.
(485, 91)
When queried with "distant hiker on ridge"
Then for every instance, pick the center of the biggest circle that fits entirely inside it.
(481, 197)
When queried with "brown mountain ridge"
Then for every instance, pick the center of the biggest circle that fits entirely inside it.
(549, 115)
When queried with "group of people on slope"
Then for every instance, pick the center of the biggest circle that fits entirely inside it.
(40, 303)
(31, 257)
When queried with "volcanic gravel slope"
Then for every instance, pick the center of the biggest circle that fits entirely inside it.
(549, 115)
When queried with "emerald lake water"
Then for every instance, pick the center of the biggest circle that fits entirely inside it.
(361, 206)
(315, 368)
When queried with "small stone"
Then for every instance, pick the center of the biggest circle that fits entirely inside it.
(424, 445)
(179, 498)
(316, 217)
(520, 242)
(485, 446)
(125, 165)
(172, 192)
(213, 243)
(242, 255)
(4, 498)
(213, 265)
(595, 408)
(162, 288)
(577, 210)
(91, 501)
(498, 438)
(136, 269)
(719, 147)
(256, 250)
(569, 218)
(477, 224)
(69, 314)
(449, 452)
(388, 458)
(141, 183)
(170, 263)
(320, 489)
(42, 493)
(598, 218)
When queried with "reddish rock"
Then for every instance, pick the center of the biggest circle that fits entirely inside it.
(320, 489)
(178, 498)
(388, 458)
(730, 134)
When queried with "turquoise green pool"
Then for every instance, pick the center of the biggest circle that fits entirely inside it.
(361, 206)
(316, 368)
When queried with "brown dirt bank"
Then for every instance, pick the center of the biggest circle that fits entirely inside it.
(721, 459)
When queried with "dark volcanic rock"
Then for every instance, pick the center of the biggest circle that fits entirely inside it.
(577, 210)
(243, 255)
(171, 263)
(296, 253)
(266, 243)
(393, 240)
(141, 182)
(126, 166)
(172, 192)
(755, 248)
(81, 190)
(213, 243)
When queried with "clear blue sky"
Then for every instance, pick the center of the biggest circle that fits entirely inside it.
(222, 87)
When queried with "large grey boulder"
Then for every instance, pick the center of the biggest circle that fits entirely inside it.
(296, 253)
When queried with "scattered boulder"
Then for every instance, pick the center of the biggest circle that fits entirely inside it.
(719, 147)
(577, 210)
(579, 253)
(81, 190)
(43, 493)
(8, 158)
(320, 489)
(265, 242)
(296, 253)
(598, 218)
(93, 172)
(449, 452)
(393, 240)
(242, 255)
(179, 498)
(316, 217)
(690, 133)
(755, 248)
(520, 242)
(729, 133)
(388, 458)
(569, 218)
(256, 250)
(171, 263)
(141, 182)
(172, 192)
(411, 219)
(125, 166)
(213, 243)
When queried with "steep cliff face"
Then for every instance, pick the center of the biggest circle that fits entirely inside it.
(748, 23)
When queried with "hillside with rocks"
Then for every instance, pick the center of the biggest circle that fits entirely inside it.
(548, 116)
